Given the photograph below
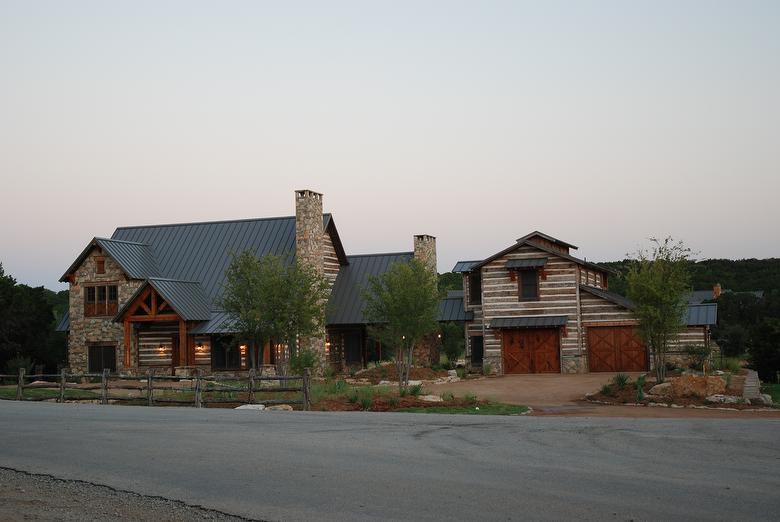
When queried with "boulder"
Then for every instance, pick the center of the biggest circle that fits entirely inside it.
(452, 373)
(280, 407)
(697, 386)
(258, 407)
(431, 398)
(723, 399)
(664, 389)
(762, 400)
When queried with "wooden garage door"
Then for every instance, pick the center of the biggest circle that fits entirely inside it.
(531, 351)
(616, 349)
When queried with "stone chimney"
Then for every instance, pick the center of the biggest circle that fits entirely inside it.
(425, 251)
(309, 231)
(716, 291)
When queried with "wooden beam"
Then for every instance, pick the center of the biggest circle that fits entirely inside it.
(152, 318)
(128, 341)
(183, 345)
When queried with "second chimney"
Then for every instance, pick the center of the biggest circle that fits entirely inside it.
(425, 251)
(309, 229)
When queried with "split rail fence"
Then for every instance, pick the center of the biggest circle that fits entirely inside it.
(205, 390)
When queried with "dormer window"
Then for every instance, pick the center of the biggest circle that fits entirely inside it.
(100, 300)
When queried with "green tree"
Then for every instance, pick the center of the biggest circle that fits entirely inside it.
(402, 307)
(658, 283)
(453, 342)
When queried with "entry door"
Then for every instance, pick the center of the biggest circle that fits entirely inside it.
(531, 351)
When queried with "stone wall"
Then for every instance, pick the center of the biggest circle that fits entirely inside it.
(425, 251)
(87, 330)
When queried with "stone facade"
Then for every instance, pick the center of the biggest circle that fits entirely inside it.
(85, 331)
(425, 251)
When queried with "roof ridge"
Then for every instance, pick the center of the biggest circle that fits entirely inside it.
(381, 254)
(121, 241)
(173, 280)
(217, 222)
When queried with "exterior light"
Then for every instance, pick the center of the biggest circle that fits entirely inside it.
(161, 349)
(242, 348)
(199, 347)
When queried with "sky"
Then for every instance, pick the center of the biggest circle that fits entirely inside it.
(600, 123)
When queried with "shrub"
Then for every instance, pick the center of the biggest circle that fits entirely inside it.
(415, 390)
(640, 388)
(621, 380)
(487, 368)
(302, 358)
(447, 396)
(383, 373)
(353, 396)
(365, 402)
(728, 364)
(697, 355)
(461, 372)
(14, 364)
(393, 402)
(352, 372)
(470, 398)
(403, 392)
(606, 390)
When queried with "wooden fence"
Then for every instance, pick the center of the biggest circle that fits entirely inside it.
(203, 388)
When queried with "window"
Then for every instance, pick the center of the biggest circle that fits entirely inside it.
(477, 350)
(529, 285)
(475, 287)
(100, 300)
(100, 265)
(102, 357)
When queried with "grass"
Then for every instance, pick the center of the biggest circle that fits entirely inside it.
(773, 390)
(483, 409)
(9, 392)
(727, 364)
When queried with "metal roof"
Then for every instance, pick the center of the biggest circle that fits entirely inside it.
(136, 259)
(548, 238)
(64, 323)
(532, 321)
(526, 263)
(451, 308)
(346, 305)
(219, 322)
(464, 266)
(699, 296)
(187, 298)
(609, 296)
(702, 314)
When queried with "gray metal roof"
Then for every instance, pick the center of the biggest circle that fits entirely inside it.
(702, 314)
(136, 259)
(64, 323)
(533, 321)
(464, 266)
(699, 296)
(187, 298)
(609, 296)
(219, 322)
(526, 263)
(346, 305)
(202, 251)
(451, 309)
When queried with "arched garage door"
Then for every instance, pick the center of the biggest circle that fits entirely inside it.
(616, 349)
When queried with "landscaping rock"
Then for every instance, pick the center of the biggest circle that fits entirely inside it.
(762, 400)
(452, 373)
(280, 407)
(723, 399)
(259, 407)
(664, 389)
(697, 386)
(431, 398)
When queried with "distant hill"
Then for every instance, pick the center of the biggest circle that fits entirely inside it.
(739, 275)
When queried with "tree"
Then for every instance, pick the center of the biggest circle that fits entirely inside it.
(272, 300)
(402, 307)
(765, 349)
(658, 283)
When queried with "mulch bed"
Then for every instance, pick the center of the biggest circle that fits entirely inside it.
(389, 372)
(382, 403)
(628, 395)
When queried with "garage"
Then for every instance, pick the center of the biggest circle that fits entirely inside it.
(533, 350)
(616, 349)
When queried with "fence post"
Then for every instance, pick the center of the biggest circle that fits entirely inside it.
(104, 387)
(306, 384)
(251, 396)
(62, 386)
(198, 402)
(149, 388)
(20, 385)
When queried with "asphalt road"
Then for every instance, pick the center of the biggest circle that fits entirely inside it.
(373, 466)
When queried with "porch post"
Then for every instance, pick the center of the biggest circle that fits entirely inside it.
(183, 344)
(128, 342)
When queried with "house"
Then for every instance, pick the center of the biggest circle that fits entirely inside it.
(536, 308)
(147, 298)
(700, 296)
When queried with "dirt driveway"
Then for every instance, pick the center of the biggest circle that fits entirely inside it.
(564, 395)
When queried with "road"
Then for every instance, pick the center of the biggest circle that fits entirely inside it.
(373, 466)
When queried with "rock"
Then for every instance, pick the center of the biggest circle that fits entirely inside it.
(723, 399)
(762, 400)
(385, 383)
(280, 407)
(415, 383)
(431, 398)
(664, 389)
(697, 386)
(259, 407)
(452, 373)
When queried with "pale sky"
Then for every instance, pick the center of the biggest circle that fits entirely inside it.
(601, 123)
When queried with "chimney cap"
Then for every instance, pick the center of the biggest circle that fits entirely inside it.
(305, 193)
(424, 236)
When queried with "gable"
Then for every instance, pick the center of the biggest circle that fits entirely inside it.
(133, 260)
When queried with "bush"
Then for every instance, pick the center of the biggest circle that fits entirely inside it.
(302, 358)
(487, 368)
(447, 396)
(697, 354)
(607, 390)
(403, 392)
(640, 388)
(470, 398)
(728, 364)
(353, 396)
(461, 372)
(13, 365)
(365, 402)
(621, 380)
(765, 349)
(393, 402)
(415, 390)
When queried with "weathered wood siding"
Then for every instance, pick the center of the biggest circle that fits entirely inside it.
(331, 260)
(155, 345)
